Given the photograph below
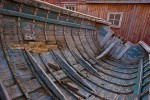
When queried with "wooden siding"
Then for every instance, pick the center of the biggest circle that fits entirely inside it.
(135, 23)
(65, 1)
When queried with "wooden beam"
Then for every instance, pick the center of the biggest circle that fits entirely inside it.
(23, 15)
(3, 93)
(106, 38)
(85, 64)
(104, 53)
(145, 46)
(45, 78)
(126, 47)
(71, 71)
(48, 6)
(138, 86)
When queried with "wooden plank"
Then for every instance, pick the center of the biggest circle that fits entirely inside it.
(90, 41)
(85, 64)
(106, 38)
(126, 47)
(3, 93)
(49, 6)
(106, 51)
(91, 98)
(50, 84)
(30, 86)
(138, 86)
(17, 14)
(145, 46)
(85, 45)
(71, 71)
(79, 47)
(14, 92)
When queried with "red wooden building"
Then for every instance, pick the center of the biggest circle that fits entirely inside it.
(130, 18)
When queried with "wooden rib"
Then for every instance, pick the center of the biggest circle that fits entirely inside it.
(85, 64)
(45, 78)
(3, 93)
(12, 69)
(37, 76)
(48, 67)
(145, 46)
(71, 71)
(137, 92)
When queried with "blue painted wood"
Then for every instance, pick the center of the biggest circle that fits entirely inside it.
(3, 94)
(102, 30)
(43, 19)
(145, 81)
(71, 71)
(11, 6)
(106, 51)
(138, 86)
(85, 64)
(135, 51)
(123, 51)
(12, 9)
(145, 46)
(103, 40)
(50, 84)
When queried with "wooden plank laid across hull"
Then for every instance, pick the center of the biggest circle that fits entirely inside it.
(50, 53)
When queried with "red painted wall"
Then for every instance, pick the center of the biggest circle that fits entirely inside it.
(136, 18)
(135, 23)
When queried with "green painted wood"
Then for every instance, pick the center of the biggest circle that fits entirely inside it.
(138, 86)
(17, 14)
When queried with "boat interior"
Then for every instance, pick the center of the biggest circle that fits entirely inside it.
(51, 53)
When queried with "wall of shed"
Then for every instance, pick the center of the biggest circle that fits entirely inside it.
(136, 18)
(135, 23)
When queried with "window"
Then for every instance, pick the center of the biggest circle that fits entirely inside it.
(70, 7)
(115, 18)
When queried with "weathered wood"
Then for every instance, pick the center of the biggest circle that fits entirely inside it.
(71, 71)
(145, 46)
(18, 14)
(126, 47)
(106, 51)
(50, 84)
(138, 86)
(73, 32)
(3, 93)
(12, 69)
(48, 6)
(85, 64)
(106, 38)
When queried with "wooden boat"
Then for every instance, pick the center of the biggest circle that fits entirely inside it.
(47, 52)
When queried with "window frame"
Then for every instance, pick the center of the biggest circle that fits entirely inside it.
(71, 5)
(120, 21)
